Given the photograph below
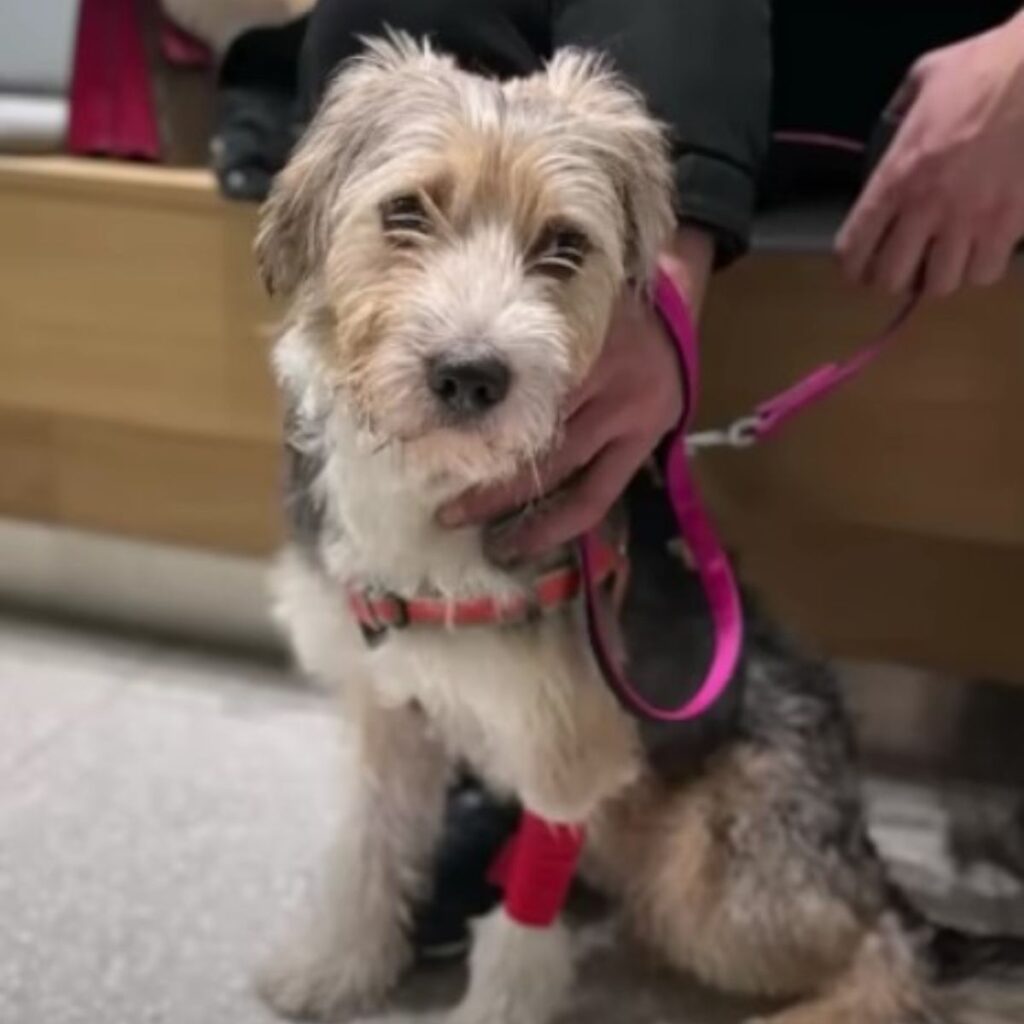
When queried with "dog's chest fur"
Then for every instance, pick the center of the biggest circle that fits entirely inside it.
(520, 703)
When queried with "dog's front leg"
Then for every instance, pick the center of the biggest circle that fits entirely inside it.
(519, 974)
(356, 945)
(521, 967)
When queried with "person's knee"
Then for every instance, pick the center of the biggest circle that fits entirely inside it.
(337, 28)
(356, 18)
(479, 34)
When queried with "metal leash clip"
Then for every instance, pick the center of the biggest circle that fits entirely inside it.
(743, 433)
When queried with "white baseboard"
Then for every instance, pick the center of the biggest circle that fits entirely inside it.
(202, 594)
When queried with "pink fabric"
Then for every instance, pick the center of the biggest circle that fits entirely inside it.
(182, 49)
(709, 558)
(112, 110)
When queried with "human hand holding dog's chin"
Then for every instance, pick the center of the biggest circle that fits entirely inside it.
(629, 402)
(945, 207)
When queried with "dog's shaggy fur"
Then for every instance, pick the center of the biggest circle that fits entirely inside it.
(431, 214)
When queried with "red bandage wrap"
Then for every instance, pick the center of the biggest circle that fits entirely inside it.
(536, 868)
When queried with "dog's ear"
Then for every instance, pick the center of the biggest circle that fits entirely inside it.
(365, 98)
(631, 143)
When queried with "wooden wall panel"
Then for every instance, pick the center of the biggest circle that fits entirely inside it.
(199, 491)
(134, 392)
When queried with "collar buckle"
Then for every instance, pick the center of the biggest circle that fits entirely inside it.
(378, 614)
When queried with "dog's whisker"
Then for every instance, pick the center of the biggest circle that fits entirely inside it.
(538, 483)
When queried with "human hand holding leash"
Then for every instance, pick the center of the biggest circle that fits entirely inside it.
(946, 204)
(631, 399)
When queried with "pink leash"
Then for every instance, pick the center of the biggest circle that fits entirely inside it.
(770, 415)
(537, 866)
(709, 557)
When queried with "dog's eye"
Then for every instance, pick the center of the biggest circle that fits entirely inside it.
(405, 219)
(561, 252)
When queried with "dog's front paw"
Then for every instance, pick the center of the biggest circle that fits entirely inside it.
(520, 1007)
(336, 987)
(517, 974)
(488, 1015)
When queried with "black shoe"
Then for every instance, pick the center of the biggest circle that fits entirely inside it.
(257, 109)
(476, 827)
(253, 137)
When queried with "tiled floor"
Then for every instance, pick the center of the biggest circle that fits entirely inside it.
(160, 812)
(156, 813)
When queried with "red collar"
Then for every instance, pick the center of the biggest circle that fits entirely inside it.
(378, 612)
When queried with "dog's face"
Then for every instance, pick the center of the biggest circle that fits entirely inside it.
(461, 243)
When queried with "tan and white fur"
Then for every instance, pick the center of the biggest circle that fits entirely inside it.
(431, 217)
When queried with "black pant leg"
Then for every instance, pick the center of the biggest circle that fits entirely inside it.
(265, 58)
(837, 64)
(495, 37)
(704, 68)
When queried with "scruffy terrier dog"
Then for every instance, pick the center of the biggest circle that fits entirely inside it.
(451, 248)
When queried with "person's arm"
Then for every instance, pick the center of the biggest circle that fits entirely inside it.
(945, 207)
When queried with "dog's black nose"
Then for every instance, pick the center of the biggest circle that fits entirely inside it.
(469, 388)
